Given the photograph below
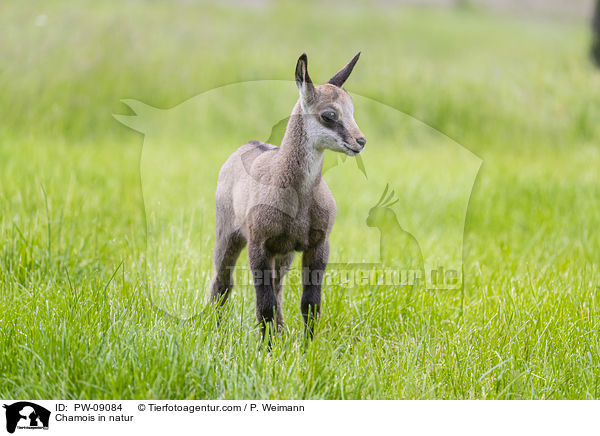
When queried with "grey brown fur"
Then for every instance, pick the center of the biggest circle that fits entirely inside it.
(274, 199)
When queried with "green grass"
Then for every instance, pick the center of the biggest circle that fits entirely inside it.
(77, 318)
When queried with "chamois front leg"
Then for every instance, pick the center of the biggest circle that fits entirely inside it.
(282, 266)
(267, 304)
(314, 262)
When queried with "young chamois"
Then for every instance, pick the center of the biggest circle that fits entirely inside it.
(275, 200)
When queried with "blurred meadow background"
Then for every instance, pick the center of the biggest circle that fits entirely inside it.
(510, 81)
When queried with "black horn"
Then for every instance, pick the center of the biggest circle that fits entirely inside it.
(341, 76)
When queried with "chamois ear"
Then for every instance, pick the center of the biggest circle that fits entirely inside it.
(305, 85)
(341, 76)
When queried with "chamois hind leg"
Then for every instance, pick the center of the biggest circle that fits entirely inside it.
(267, 304)
(226, 253)
(314, 262)
(282, 266)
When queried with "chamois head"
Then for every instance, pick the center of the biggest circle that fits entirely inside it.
(328, 111)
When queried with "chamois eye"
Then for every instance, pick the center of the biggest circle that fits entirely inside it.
(329, 115)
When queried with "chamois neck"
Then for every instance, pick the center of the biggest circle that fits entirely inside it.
(302, 162)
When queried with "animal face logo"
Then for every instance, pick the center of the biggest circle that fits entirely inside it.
(381, 215)
(26, 415)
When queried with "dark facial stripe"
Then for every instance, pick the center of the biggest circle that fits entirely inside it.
(337, 127)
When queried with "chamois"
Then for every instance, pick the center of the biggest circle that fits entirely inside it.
(275, 200)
